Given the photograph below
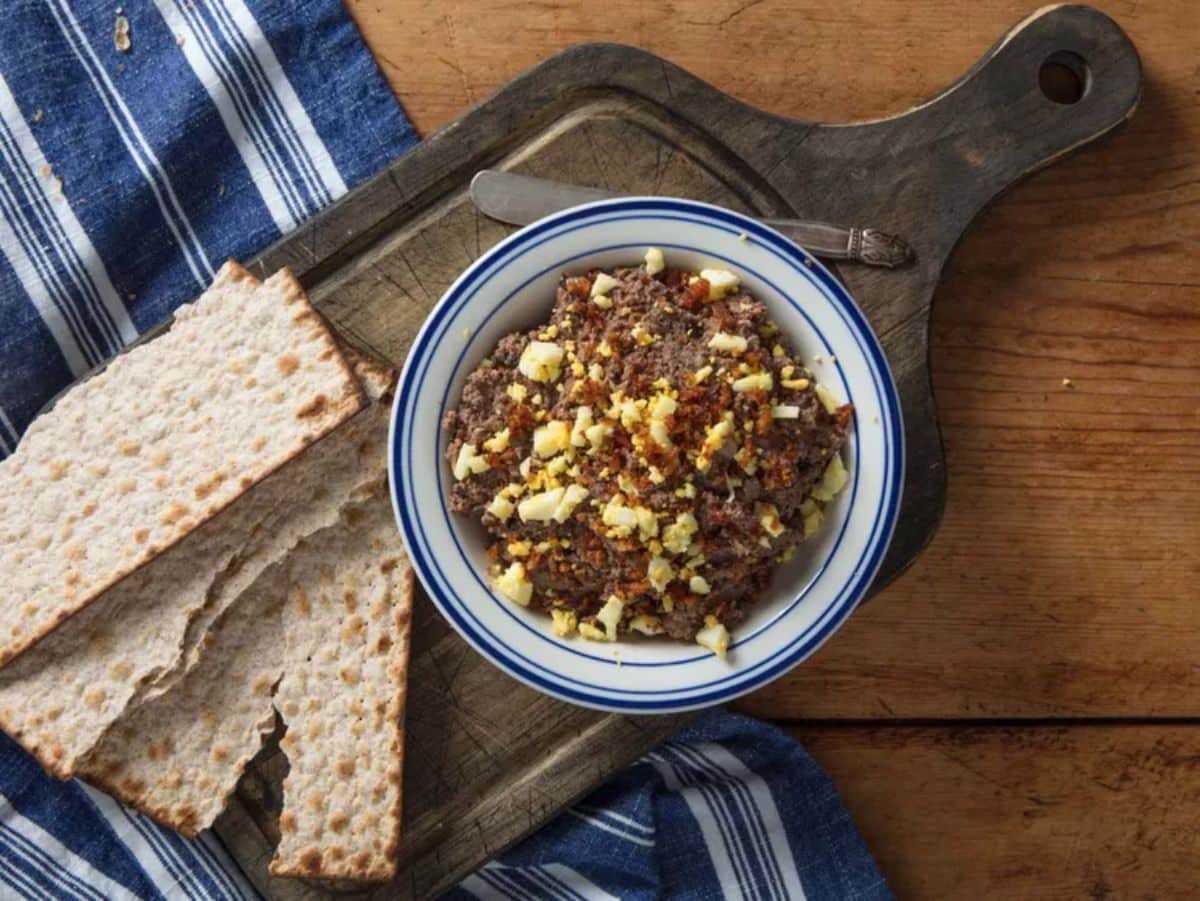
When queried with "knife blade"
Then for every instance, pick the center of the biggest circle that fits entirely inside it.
(522, 199)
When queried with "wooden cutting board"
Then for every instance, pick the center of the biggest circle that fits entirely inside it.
(489, 760)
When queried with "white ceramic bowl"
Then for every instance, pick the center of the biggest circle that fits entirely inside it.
(511, 287)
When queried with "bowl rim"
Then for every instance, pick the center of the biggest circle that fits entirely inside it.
(844, 601)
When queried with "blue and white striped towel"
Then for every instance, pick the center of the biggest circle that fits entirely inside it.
(125, 179)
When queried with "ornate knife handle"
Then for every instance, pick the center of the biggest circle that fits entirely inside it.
(869, 246)
(876, 248)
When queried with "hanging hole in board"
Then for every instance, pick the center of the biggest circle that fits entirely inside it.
(1064, 77)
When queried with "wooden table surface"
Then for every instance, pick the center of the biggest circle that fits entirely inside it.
(1019, 714)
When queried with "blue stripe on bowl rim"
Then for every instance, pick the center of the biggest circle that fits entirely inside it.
(744, 679)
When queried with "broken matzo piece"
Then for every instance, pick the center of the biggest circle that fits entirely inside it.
(133, 460)
(346, 622)
(329, 475)
(177, 758)
(58, 698)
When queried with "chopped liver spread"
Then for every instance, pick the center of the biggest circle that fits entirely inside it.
(645, 458)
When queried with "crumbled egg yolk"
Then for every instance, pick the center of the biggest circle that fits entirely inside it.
(677, 537)
(625, 409)
(641, 336)
(514, 585)
(655, 263)
(603, 301)
(517, 391)
(541, 361)
(469, 462)
(795, 384)
(519, 548)
(498, 442)
(714, 440)
(564, 622)
(734, 344)
(701, 374)
(713, 636)
(720, 282)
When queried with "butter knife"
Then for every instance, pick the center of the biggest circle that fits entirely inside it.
(522, 199)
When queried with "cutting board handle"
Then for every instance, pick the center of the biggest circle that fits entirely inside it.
(945, 159)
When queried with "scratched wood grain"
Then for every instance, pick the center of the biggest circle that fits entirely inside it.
(1050, 812)
(489, 760)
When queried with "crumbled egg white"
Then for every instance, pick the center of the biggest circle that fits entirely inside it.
(785, 411)
(541, 361)
(604, 284)
(469, 462)
(501, 508)
(572, 497)
(564, 622)
(592, 633)
(833, 480)
(827, 399)
(610, 616)
(758, 381)
(771, 522)
(720, 282)
(514, 585)
(655, 263)
(724, 341)
(551, 438)
(597, 434)
(699, 585)
(658, 431)
(603, 301)
(541, 507)
(701, 374)
(713, 636)
(664, 405)
(583, 421)
(660, 573)
(646, 624)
